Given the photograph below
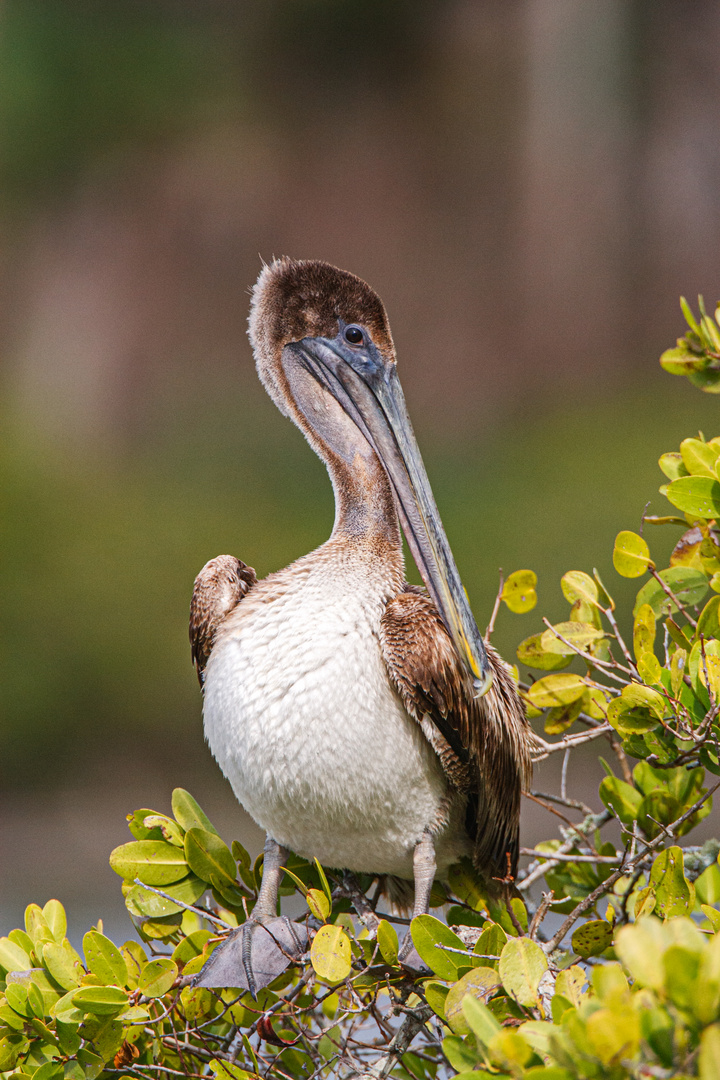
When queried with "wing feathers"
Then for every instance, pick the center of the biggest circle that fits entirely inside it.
(482, 743)
(219, 587)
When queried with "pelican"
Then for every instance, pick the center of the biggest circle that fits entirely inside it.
(360, 720)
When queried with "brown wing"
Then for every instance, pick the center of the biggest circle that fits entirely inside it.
(486, 740)
(219, 587)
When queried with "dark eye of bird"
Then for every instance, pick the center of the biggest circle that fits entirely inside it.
(354, 335)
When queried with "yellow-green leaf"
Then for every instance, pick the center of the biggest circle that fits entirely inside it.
(480, 982)
(63, 963)
(698, 457)
(698, 496)
(672, 465)
(649, 669)
(519, 591)
(317, 901)
(188, 814)
(638, 709)
(578, 586)
(153, 861)
(570, 983)
(102, 1000)
(531, 652)
(644, 629)
(157, 977)
(331, 954)
(209, 858)
(54, 915)
(104, 959)
(580, 637)
(554, 690)
(673, 892)
(522, 965)
(631, 554)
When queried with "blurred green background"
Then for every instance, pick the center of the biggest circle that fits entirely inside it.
(529, 184)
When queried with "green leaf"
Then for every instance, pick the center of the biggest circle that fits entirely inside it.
(436, 995)
(522, 965)
(387, 940)
(592, 938)
(104, 959)
(631, 554)
(167, 828)
(709, 621)
(481, 982)
(673, 892)
(188, 814)
(63, 963)
(331, 954)
(698, 496)
(637, 709)
(428, 933)
(578, 634)
(491, 942)
(519, 591)
(209, 858)
(101, 1000)
(480, 1020)
(157, 977)
(623, 799)
(657, 806)
(461, 1054)
(531, 652)
(699, 457)
(190, 947)
(153, 861)
(554, 690)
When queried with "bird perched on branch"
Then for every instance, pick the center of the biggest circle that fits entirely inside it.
(359, 719)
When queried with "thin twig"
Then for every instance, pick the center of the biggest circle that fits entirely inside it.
(668, 592)
(605, 886)
(496, 608)
(553, 856)
(188, 907)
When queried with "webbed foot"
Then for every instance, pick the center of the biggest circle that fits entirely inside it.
(252, 956)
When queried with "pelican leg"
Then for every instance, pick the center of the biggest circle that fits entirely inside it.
(252, 956)
(424, 867)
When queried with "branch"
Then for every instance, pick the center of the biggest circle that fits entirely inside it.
(605, 886)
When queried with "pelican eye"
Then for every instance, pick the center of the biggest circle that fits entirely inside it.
(354, 335)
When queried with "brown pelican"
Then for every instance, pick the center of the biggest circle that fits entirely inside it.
(359, 719)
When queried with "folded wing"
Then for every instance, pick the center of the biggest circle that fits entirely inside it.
(482, 743)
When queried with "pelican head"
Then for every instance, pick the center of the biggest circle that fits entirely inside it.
(325, 355)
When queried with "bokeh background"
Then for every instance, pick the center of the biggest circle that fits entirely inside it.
(529, 184)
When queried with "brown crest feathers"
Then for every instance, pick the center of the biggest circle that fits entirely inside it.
(485, 748)
(294, 299)
(219, 587)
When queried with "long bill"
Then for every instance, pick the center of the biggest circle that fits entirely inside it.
(374, 399)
